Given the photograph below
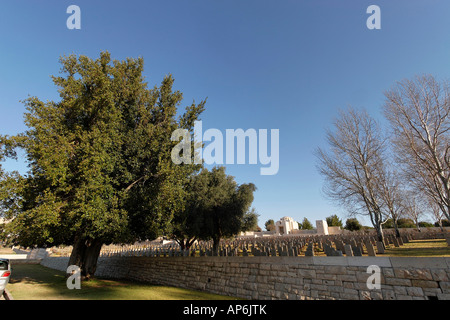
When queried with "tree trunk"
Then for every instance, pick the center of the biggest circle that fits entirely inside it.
(215, 248)
(85, 255)
(440, 225)
(380, 236)
(182, 243)
(397, 232)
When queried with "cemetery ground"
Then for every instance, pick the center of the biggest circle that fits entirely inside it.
(414, 248)
(421, 248)
(36, 282)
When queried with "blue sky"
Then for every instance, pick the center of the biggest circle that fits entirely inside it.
(287, 65)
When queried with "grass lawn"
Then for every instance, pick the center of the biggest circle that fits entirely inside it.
(420, 248)
(36, 282)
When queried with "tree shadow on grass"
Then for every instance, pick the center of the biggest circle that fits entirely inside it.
(421, 248)
(36, 282)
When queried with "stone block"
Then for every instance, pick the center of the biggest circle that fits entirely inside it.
(424, 283)
(414, 291)
(349, 296)
(388, 294)
(431, 292)
(347, 277)
(398, 281)
(306, 273)
(400, 290)
(336, 269)
(445, 286)
(439, 275)
(444, 296)
(418, 274)
(388, 272)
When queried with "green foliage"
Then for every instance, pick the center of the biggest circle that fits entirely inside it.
(334, 221)
(353, 224)
(269, 225)
(389, 224)
(406, 223)
(215, 207)
(445, 223)
(250, 221)
(306, 225)
(100, 165)
(10, 182)
(424, 224)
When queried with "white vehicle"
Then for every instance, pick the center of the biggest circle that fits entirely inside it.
(5, 274)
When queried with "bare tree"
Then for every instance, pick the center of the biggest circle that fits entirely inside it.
(437, 212)
(413, 208)
(352, 167)
(419, 113)
(391, 192)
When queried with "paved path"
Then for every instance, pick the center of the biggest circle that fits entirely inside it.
(6, 296)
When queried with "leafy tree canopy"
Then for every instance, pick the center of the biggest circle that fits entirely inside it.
(334, 221)
(353, 224)
(100, 166)
(216, 207)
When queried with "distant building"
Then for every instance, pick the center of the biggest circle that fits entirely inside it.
(286, 225)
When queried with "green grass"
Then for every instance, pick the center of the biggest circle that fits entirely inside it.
(420, 248)
(36, 282)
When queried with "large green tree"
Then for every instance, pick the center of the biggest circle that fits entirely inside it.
(10, 182)
(100, 159)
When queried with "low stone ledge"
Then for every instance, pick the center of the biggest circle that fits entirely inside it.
(420, 262)
(14, 262)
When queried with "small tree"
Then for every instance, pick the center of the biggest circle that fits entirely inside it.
(352, 224)
(437, 214)
(405, 223)
(216, 207)
(306, 225)
(334, 221)
(250, 221)
(270, 225)
(413, 209)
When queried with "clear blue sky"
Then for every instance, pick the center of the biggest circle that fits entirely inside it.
(287, 65)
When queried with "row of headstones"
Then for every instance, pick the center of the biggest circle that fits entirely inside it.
(147, 252)
(350, 246)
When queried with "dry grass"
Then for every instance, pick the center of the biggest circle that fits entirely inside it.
(420, 248)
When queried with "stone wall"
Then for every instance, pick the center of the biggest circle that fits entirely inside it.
(284, 277)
